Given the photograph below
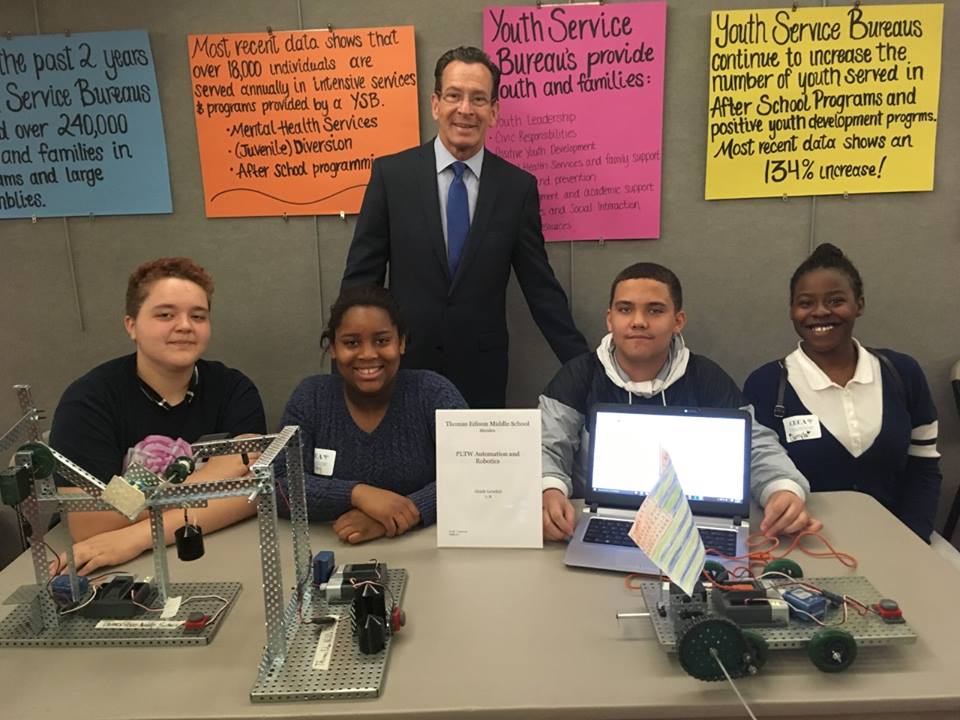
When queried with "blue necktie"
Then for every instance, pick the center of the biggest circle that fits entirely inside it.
(458, 218)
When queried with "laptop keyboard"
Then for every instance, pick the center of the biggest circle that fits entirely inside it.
(604, 531)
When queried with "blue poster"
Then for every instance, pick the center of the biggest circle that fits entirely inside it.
(80, 126)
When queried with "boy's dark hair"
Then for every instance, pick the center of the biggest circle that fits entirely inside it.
(140, 280)
(830, 257)
(467, 55)
(362, 296)
(651, 271)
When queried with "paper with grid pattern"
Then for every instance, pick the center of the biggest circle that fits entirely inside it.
(664, 529)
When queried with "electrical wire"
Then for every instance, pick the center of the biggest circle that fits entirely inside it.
(144, 607)
(56, 556)
(107, 574)
(283, 495)
(759, 555)
(376, 584)
(55, 573)
(628, 581)
(300, 593)
(93, 594)
(213, 618)
(861, 608)
(801, 611)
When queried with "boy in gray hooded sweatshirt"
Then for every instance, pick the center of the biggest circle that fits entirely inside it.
(643, 360)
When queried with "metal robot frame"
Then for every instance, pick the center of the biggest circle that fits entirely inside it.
(258, 486)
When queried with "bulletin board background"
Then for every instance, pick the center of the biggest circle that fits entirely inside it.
(276, 278)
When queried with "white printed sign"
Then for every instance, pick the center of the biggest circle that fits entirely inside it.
(488, 478)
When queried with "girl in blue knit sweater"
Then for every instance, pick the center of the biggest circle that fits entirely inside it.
(369, 450)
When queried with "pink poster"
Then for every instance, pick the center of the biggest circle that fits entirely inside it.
(581, 107)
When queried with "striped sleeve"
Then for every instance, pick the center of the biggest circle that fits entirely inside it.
(923, 440)
(921, 478)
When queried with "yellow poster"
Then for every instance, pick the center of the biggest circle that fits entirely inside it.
(822, 101)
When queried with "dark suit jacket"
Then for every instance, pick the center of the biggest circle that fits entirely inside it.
(457, 326)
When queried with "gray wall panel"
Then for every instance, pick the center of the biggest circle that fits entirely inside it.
(276, 279)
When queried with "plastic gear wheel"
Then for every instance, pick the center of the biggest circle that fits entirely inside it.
(719, 634)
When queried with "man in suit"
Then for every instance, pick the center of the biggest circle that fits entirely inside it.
(450, 219)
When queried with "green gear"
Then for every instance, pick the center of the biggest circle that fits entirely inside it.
(721, 635)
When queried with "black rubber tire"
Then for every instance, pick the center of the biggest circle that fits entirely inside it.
(832, 650)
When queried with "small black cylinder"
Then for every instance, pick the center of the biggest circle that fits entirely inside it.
(179, 470)
(189, 542)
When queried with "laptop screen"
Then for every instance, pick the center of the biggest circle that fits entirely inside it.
(709, 448)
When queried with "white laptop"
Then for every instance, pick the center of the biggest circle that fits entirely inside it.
(710, 450)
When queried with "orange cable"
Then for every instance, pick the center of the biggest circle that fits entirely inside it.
(759, 555)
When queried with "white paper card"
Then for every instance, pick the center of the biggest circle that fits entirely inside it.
(139, 624)
(488, 479)
(801, 427)
(324, 651)
(323, 461)
(171, 607)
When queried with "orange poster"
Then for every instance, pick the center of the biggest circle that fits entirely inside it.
(290, 122)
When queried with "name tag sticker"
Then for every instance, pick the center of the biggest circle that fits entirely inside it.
(323, 461)
(801, 427)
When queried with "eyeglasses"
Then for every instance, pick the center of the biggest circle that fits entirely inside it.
(452, 97)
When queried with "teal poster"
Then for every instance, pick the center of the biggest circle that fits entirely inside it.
(81, 131)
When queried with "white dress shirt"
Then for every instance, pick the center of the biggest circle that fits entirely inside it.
(853, 413)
